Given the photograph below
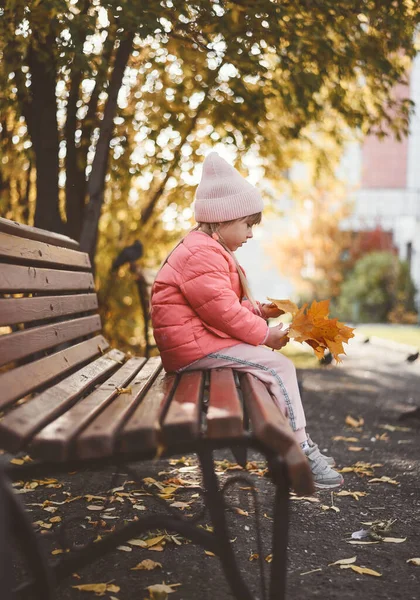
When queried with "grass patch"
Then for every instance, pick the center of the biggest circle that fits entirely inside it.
(403, 334)
(302, 359)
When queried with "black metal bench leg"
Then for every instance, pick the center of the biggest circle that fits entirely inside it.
(20, 526)
(6, 571)
(280, 533)
(216, 506)
(240, 454)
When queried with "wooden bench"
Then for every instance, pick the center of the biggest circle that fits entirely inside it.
(70, 400)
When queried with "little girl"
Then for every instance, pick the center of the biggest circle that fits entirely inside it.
(203, 314)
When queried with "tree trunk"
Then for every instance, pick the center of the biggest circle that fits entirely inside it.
(79, 190)
(45, 137)
(96, 185)
(75, 169)
(74, 195)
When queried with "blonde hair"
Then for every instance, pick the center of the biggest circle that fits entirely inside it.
(211, 228)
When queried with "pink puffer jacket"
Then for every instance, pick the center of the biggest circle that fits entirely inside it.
(196, 304)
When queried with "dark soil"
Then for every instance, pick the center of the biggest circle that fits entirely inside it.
(377, 386)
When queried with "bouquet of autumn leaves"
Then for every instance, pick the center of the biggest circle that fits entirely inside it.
(311, 324)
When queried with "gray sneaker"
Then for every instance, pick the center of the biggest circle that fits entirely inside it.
(328, 459)
(324, 477)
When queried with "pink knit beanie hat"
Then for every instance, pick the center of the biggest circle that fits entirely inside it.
(223, 194)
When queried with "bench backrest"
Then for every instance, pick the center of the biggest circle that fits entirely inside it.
(47, 303)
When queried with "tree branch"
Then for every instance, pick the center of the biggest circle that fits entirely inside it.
(148, 210)
(96, 185)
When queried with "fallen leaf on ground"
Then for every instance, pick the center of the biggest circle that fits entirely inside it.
(394, 540)
(125, 548)
(90, 497)
(362, 570)
(326, 507)
(140, 543)
(97, 588)
(209, 553)
(268, 558)
(157, 548)
(95, 507)
(151, 481)
(344, 561)
(181, 505)
(160, 591)
(355, 495)
(357, 543)
(384, 479)
(341, 438)
(241, 512)
(188, 469)
(308, 498)
(22, 460)
(254, 556)
(43, 525)
(414, 561)
(154, 541)
(352, 422)
(146, 565)
(361, 468)
(394, 427)
(355, 448)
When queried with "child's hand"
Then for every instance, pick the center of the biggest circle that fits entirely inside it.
(277, 337)
(270, 311)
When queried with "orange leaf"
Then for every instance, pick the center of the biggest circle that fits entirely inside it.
(285, 305)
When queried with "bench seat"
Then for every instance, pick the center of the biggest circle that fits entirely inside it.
(66, 396)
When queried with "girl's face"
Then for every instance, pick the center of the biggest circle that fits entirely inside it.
(236, 233)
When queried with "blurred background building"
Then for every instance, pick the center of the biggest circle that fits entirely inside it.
(386, 175)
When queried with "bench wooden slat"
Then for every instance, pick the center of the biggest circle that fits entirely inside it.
(142, 430)
(15, 279)
(225, 414)
(272, 428)
(57, 437)
(32, 252)
(15, 346)
(18, 426)
(25, 310)
(16, 383)
(34, 233)
(182, 420)
(100, 437)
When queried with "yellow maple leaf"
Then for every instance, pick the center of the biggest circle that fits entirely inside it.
(287, 306)
(320, 310)
(311, 324)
